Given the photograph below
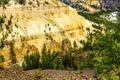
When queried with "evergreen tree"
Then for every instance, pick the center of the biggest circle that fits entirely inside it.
(3, 3)
(1, 44)
(35, 60)
(2, 59)
(27, 62)
(75, 45)
(12, 54)
(31, 61)
(50, 60)
(44, 56)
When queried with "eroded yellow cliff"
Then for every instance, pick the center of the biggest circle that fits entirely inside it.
(51, 22)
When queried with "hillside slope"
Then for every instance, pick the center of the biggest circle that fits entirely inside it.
(50, 22)
(93, 5)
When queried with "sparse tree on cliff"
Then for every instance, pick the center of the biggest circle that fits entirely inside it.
(2, 59)
(31, 61)
(3, 3)
(12, 54)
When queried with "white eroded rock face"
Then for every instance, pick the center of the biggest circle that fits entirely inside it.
(55, 19)
(51, 21)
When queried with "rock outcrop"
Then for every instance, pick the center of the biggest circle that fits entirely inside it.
(93, 5)
(66, 44)
(49, 22)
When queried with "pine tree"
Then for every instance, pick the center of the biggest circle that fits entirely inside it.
(31, 61)
(35, 60)
(12, 54)
(1, 44)
(43, 57)
(2, 59)
(75, 45)
(3, 3)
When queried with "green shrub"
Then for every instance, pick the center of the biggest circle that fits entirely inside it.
(38, 74)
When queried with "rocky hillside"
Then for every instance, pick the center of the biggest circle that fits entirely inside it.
(14, 72)
(33, 23)
(92, 5)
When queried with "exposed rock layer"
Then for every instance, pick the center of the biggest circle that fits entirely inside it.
(50, 23)
(93, 5)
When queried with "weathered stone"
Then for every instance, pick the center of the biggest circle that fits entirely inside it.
(52, 22)
(66, 44)
(53, 46)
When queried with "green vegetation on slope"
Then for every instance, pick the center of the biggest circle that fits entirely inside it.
(104, 49)
(7, 26)
(101, 51)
